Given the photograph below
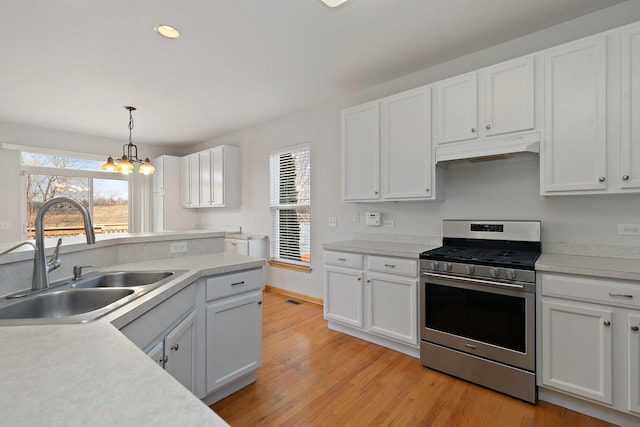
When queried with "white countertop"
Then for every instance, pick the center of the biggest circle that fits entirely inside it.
(373, 247)
(92, 375)
(613, 268)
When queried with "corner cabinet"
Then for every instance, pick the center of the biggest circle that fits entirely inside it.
(387, 153)
(589, 341)
(374, 298)
(211, 178)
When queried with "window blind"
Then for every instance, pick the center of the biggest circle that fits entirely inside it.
(290, 199)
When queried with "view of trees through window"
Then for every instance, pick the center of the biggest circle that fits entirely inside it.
(105, 194)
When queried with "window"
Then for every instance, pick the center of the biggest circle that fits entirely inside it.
(106, 195)
(291, 205)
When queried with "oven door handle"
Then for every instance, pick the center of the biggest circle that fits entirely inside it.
(476, 281)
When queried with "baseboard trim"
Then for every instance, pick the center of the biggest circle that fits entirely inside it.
(292, 294)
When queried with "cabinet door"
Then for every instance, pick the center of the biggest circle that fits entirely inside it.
(185, 181)
(630, 149)
(634, 363)
(156, 353)
(392, 307)
(234, 338)
(574, 155)
(361, 152)
(406, 145)
(576, 349)
(509, 92)
(457, 109)
(179, 352)
(217, 176)
(205, 178)
(343, 299)
(194, 180)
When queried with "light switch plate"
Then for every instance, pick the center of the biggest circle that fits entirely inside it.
(177, 247)
(333, 221)
(4, 225)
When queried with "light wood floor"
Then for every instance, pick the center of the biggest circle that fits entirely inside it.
(312, 376)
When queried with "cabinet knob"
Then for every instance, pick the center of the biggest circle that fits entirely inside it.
(427, 189)
(488, 127)
(259, 302)
(368, 280)
(175, 347)
(375, 192)
(602, 179)
(164, 359)
(359, 278)
(625, 177)
(473, 130)
(607, 323)
(635, 328)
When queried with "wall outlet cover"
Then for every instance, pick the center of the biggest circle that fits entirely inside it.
(629, 229)
(333, 221)
(177, 247)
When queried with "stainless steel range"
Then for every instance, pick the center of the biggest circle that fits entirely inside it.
(477, 304)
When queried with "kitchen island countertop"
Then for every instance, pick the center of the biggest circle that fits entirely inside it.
(92, 375)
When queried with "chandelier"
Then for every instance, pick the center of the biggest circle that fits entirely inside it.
(129, 156)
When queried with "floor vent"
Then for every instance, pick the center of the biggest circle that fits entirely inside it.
(294, 302)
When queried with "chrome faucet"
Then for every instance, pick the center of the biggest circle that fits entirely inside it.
(41, 267)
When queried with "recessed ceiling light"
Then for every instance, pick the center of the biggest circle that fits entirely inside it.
(167, 31)
(333, 3)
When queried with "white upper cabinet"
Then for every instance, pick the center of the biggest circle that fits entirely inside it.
(509, 97)
(457, 109)
(361, 152)
(387, 153)
(493, 101)
(630, 132)
(574, 155)
(407, 171)
(211, 178)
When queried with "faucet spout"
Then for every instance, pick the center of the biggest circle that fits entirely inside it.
(40, 267)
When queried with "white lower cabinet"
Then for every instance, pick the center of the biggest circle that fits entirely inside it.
(168, 335)
(234, 331)
(373, 298)
(234, 339)
(589, 343)
(208, 336)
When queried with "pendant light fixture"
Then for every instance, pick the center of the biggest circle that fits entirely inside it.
(129, 156)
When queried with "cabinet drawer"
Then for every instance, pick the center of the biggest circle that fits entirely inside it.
(235, 283)
(623, 293)
(405, 267)
(344, 259)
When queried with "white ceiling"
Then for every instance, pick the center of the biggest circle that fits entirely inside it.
(73, 64)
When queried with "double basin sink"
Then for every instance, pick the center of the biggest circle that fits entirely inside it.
(84, 300)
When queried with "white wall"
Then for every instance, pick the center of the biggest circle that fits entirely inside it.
(506, 189)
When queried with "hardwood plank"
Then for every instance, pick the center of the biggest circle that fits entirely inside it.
(312, 376)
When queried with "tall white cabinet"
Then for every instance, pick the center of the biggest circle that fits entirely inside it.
(630, 96)
(168, 213)
(387, 153)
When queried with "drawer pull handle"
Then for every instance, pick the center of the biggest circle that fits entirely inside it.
(342, 259)
(390, 265)
(611, 294)
(238, 283)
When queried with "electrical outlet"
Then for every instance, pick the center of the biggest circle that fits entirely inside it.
(388, 223)
(177, 247)
(333, 221)
(4, 225)
(629, 229)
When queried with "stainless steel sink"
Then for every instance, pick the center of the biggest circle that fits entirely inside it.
(63, 303)
(123, 279)
(82, 301)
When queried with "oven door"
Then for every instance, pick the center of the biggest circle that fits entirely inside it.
(488, 319)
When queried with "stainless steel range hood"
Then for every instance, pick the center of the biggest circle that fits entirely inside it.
(489, 148)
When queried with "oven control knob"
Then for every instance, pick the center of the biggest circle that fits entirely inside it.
(446, 266)
(494, 272)
(469, 269)
(510, 273)
(435, 265)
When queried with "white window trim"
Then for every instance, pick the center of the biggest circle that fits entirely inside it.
(275, 207)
